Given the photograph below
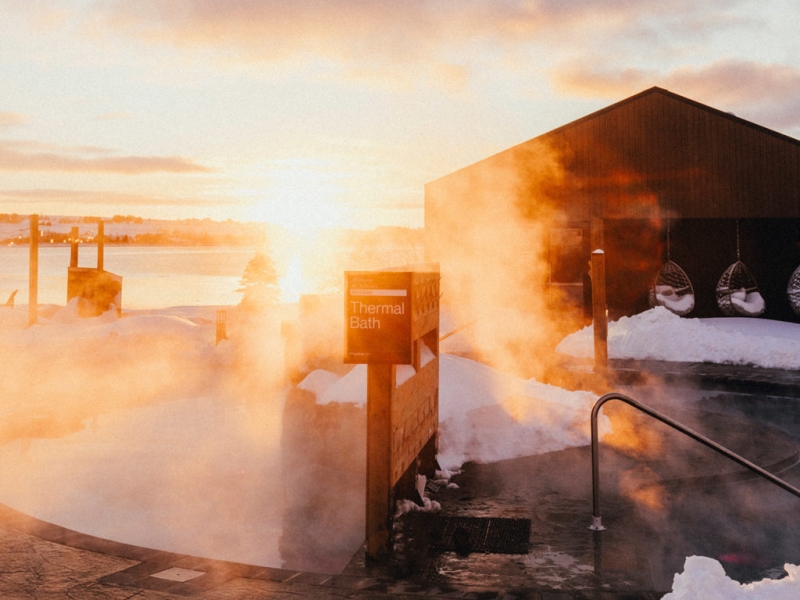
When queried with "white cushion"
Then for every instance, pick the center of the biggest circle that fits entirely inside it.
(680, 305)
(739, 295)
(665, 290)
(753, 304)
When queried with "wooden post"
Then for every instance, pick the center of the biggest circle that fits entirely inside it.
(33, 272)
(597, 233)
(222, 334)
(599, 311)
(388, 316)
(73, 252)
(380, 497)
(101, 238)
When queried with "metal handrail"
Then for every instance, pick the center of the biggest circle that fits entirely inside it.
(597, 523)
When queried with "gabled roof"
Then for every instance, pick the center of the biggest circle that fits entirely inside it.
(653, 155)
(672, 95)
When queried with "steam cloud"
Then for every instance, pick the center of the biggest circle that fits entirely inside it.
(489, 227)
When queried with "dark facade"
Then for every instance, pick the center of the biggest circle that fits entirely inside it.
(651, 169)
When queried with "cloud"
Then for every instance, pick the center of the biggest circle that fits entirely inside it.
(42, 15)
(268, 29)
(439, 45)
(113, 116)
(271, 29)
(768, 94)
(396, 45)
(393, 45)
(738, 83)
(32, 156)
(110, 198)
(401, 204)
(12, 119)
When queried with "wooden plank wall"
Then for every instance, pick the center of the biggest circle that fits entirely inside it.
(662, 156)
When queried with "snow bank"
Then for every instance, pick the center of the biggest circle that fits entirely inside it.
(704, 579)
(658, 334)
(104, 361)
(352, 388)
(318, 382)
(116, 338)
(13, 318)
(484, 415)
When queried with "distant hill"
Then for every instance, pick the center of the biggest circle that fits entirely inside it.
(15, 229)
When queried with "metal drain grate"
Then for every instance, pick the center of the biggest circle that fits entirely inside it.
(176, 574)
(469, 534)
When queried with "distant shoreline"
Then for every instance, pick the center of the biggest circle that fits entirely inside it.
(26, 243)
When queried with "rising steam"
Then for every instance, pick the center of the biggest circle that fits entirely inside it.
(489, 228)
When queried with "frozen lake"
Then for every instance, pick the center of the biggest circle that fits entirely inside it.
(152, 276)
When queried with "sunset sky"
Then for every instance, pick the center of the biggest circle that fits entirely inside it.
(338, 112)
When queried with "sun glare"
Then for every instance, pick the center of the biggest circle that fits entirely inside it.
(302, 195)
(293, 283)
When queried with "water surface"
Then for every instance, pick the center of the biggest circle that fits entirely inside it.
(152, 276)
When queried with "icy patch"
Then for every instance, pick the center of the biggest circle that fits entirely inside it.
(553, 567)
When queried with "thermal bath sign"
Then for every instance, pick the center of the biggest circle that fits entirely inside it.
(378, 317)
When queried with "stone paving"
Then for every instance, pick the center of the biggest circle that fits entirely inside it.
(633, 559)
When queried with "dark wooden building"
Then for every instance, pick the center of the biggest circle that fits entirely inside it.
(654, 176)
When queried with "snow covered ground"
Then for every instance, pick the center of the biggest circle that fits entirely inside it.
(485, 416)
(658, 334)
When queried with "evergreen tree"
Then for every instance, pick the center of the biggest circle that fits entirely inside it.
(259, 283)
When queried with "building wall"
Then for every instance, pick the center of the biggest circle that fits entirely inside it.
(649, 160)
(770, 248)
(658, 155)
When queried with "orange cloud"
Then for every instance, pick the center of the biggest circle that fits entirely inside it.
(109, 198)
(399, 45)
(30, 156)
(392, 44)
(589, 81)
(272, 28)
(12, 119)
(395, 45)
(269, 29)
(766, 93)
(738, 83)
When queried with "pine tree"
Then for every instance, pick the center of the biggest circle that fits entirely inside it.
(259, 283)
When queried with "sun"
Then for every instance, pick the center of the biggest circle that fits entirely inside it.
(302, 195)
(293, 284)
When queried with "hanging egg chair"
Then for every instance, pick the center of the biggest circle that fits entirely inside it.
(672, 288)
(793, 291)
(737, 290)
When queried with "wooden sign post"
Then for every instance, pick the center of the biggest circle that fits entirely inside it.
(391, 319)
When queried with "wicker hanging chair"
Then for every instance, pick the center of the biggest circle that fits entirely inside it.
(672, 288)
(737, 290)
(793, 291)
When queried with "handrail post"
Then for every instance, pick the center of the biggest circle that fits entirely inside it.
(597, 524)
(597, 521)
